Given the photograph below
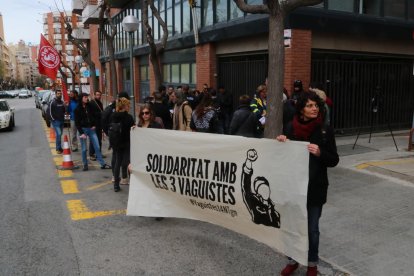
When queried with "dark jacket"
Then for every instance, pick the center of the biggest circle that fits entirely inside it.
(161, 110)
(127, 121)
(244, 122)
(324, 137)
(57, 110)
(97, 107)
(225, 101)
(84, 117)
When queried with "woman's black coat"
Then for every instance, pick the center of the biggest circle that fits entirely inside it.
(322, 136)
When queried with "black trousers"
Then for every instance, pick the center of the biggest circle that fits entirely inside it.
(120, 159)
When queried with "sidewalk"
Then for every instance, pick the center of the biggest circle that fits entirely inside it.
(367, 225)
(380, 157)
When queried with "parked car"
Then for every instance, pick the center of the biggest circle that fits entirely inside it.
(24, 94)
(3, 94)
(47, 97)
(12, 93)
(6, 116)
(38, 98)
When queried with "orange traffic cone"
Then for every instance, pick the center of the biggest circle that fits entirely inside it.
(52, 133)
(67, 163)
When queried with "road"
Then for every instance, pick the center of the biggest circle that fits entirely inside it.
(74, 224)
(43, 234)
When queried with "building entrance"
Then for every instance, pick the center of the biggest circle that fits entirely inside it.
(351, 81)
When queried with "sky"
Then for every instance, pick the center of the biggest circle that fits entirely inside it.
(22, 19)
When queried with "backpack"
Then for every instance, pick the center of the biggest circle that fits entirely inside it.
(106, 117)
(115, 134)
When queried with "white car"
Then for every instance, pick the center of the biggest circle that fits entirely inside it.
(6, 116)
(23, 94)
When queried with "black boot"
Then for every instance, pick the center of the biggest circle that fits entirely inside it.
(117, 188)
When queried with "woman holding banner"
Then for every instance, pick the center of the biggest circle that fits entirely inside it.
(307, 125)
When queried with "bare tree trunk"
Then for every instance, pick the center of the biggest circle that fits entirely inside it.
(276, 72)
(156, 51)
(105, 10)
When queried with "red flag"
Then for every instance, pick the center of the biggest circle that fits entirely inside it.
(65, 92)
(48, 59)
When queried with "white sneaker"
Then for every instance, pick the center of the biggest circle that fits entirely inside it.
(124, 181)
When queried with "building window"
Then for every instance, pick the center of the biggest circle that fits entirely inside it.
(371, 7)
(193, 73)
(341, 5)
(394, 8)
(177, 17)
(166, 73)
(185, 73)
(143, 73)
(186, 17)
(221, 11)
(207, 12)
(170, 20)
(235, 12)
(175, 73)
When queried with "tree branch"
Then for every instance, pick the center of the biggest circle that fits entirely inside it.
(252, 8)
(164, 37)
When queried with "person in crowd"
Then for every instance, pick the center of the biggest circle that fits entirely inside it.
(161, 110)
(181, 113)
(172, 98)
(307, 125)
(204, 118)
(297, 90)
(56, 112)
(121, 123)
(314, 87)
(258, 106)
(106, 120)
(147, 117)
(189, 96)
(86, 125)
(244, 121)
(289, 109)
(73, 103)
(163, 90)
(97, 108)
(225, 101)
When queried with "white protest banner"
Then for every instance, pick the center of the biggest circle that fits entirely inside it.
(256, 187)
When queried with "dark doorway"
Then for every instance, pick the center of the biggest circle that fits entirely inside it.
(350, 80)
(242, 74)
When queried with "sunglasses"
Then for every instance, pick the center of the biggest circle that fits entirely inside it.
(145, 113)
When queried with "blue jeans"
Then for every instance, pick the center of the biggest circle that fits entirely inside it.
(314, 214)
(58, 126)
(92, 136)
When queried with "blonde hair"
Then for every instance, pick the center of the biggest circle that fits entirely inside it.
(121, 103)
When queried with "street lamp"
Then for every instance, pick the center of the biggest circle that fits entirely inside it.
(130, 24)
(78, 61)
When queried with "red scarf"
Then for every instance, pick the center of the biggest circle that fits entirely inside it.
(302, 130)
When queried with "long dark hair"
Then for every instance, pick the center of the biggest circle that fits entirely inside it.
(206, 101)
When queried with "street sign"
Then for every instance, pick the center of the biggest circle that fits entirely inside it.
(86, 74)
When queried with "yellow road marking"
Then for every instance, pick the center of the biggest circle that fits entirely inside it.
(79, 211)
(52, 145)
(382, 163)
(98, 185)
(58, 160)
(65, 173)
(69, 186)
